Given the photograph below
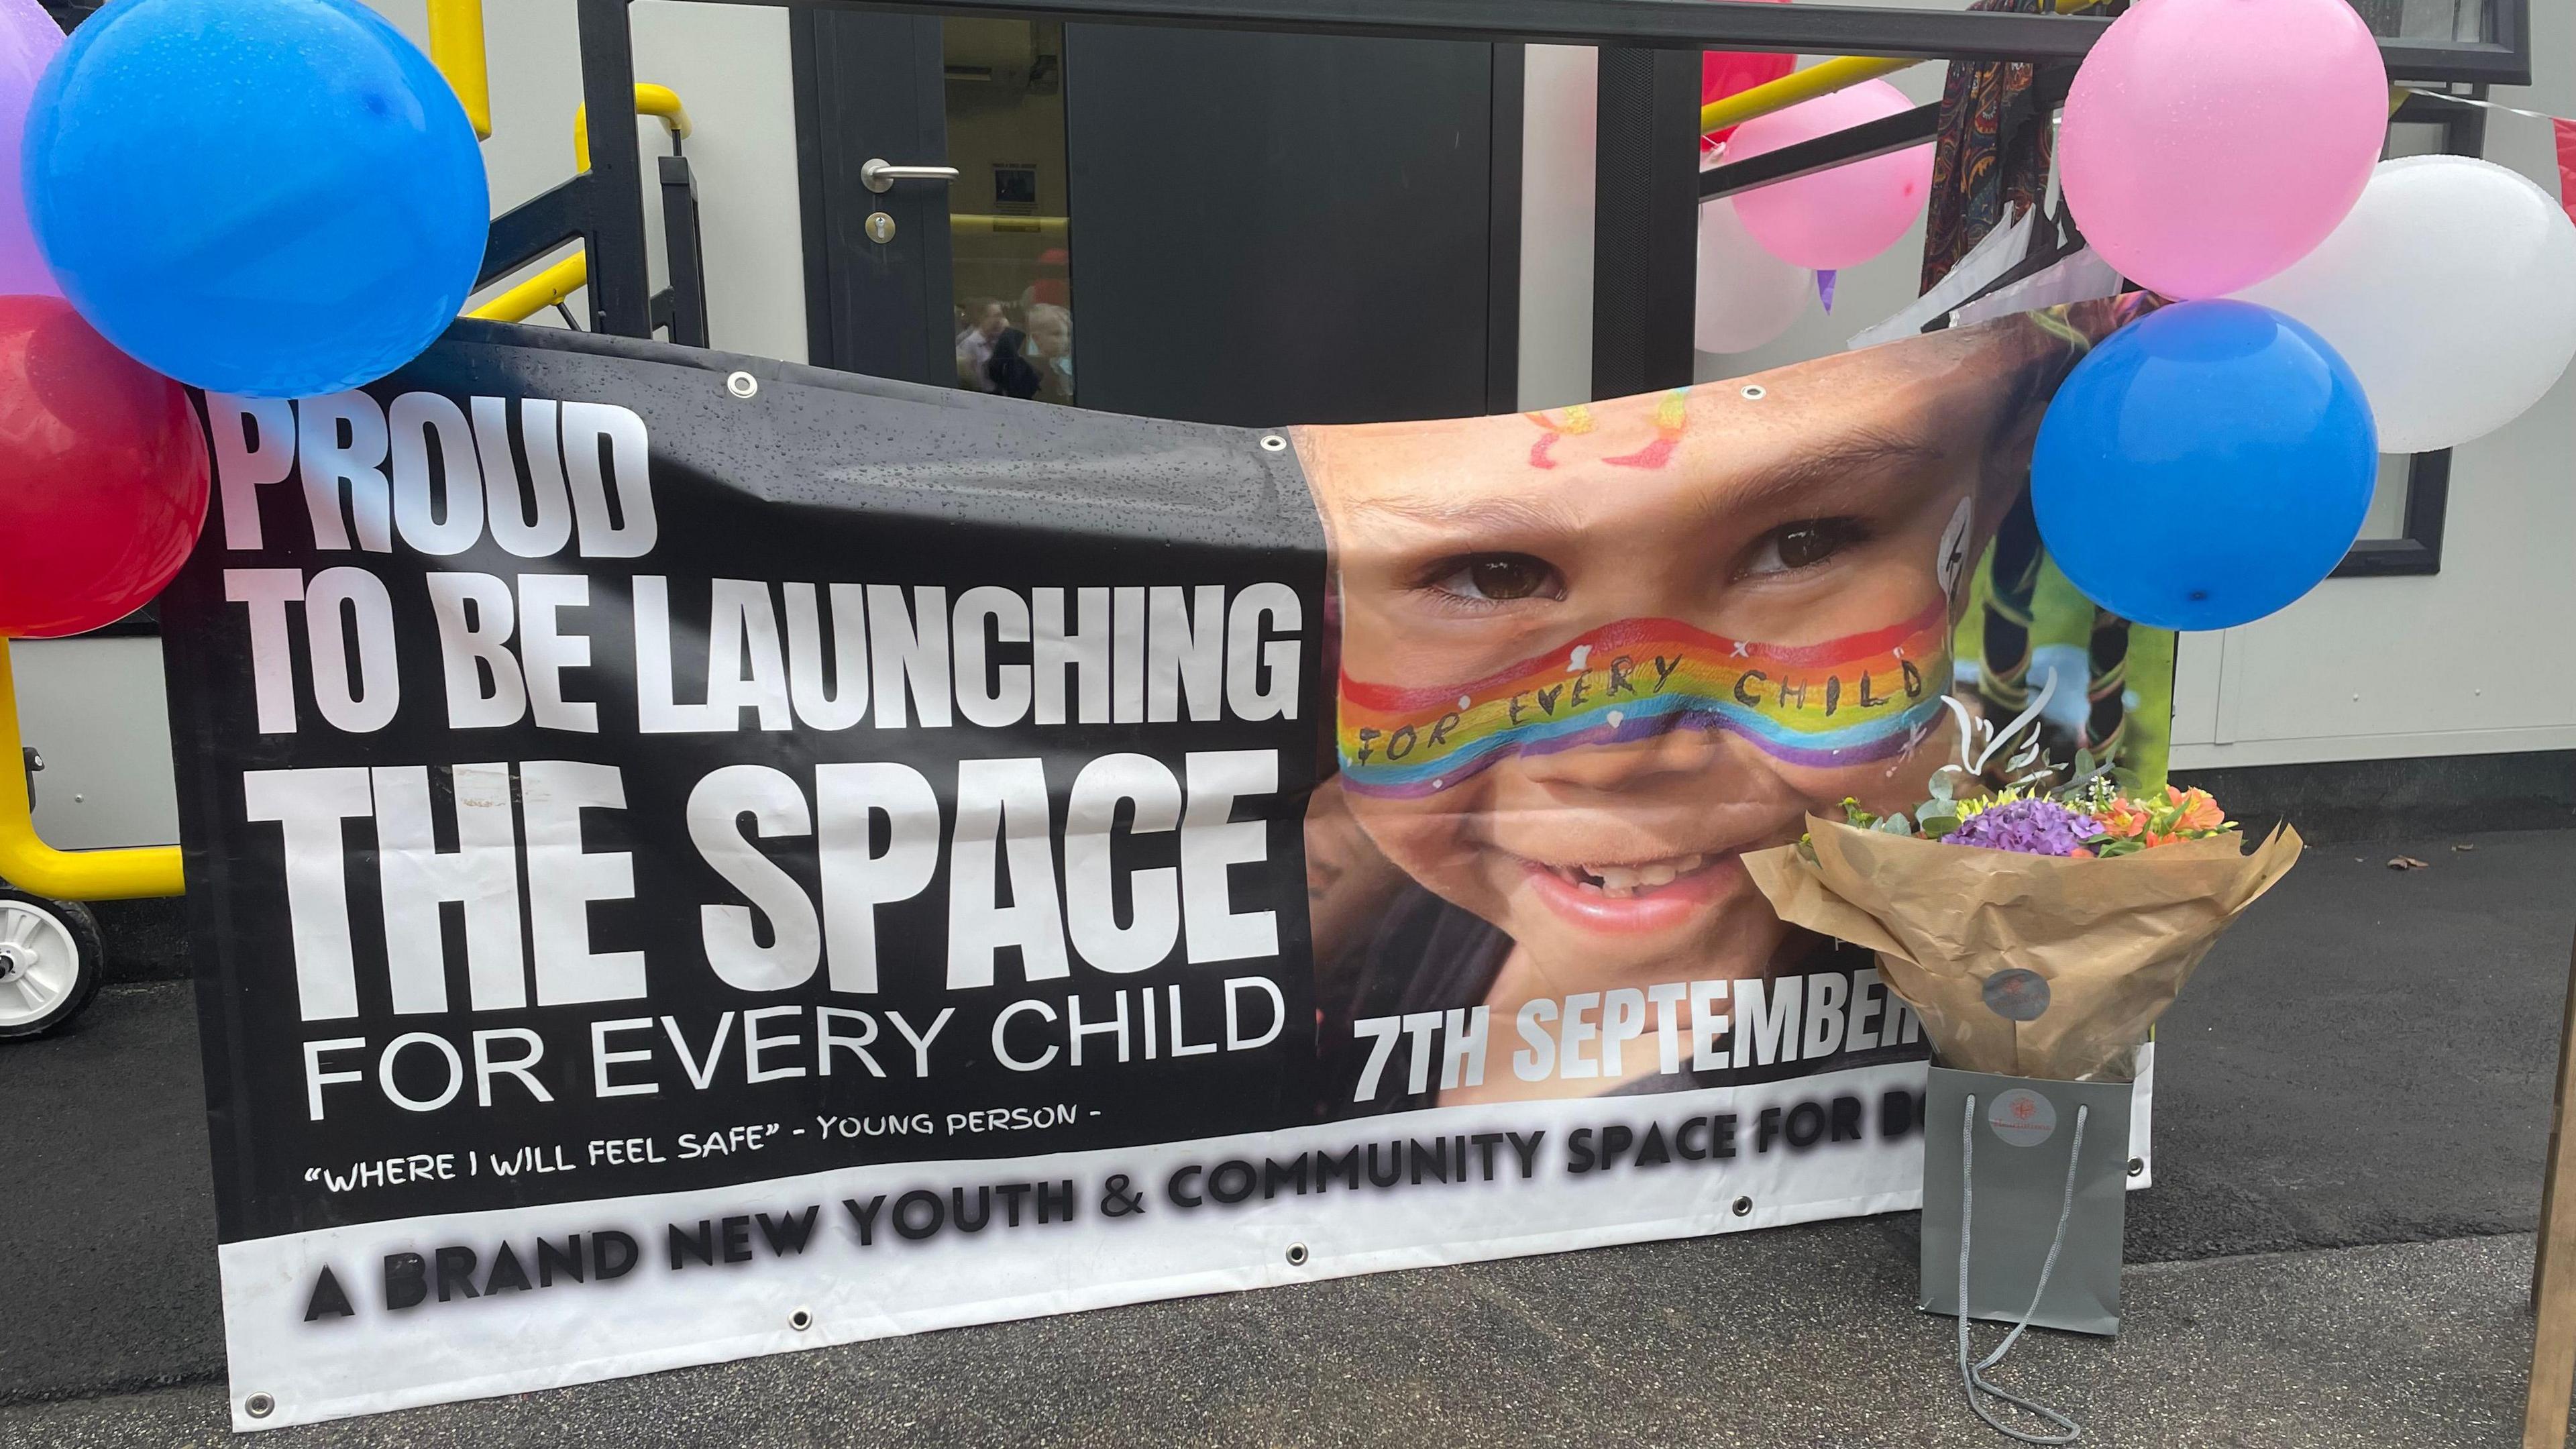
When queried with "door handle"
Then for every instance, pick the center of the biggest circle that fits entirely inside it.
(878, 174)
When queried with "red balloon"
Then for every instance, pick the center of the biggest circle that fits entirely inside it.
(102, 475)
(1722, 73)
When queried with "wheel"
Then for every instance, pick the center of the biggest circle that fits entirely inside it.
(50, 957)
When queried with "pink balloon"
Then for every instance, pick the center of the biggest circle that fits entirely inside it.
(28, 39)
(1843, 216)
(2208, 144)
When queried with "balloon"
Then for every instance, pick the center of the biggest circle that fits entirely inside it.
(1723, 73)
(28, 38)
(2451, 289)
(1843, 216)
(275, 198)
(2205, 466)
(102, 474)
(2209, 143)
(1747, 296)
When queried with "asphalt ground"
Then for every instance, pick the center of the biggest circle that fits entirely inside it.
(2351, 1110)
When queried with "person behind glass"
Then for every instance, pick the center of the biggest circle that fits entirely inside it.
(1050, 350)
(985, 322)
(1008, 368)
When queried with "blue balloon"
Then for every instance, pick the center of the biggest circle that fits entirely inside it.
(2205, 466)
(275, 198)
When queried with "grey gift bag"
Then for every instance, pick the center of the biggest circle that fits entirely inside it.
(2022, 1133)
(2038, 1172)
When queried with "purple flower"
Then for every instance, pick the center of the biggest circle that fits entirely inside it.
(2032, 827)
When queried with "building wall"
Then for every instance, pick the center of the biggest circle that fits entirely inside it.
(1558, 128)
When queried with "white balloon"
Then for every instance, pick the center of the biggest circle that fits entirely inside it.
(2450, 288)
(1747, 296)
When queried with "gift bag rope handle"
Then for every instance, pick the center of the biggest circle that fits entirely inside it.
(1973, 1379)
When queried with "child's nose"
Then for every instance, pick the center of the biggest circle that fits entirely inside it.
(1627, 766)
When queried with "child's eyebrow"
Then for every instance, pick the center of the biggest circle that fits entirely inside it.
(1864, 450)
(1521, 519)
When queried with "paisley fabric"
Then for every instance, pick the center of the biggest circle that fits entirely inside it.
(1990, 152)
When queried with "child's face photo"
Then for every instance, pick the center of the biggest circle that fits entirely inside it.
(1591, 656)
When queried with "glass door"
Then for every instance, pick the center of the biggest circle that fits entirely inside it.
(1009, 230)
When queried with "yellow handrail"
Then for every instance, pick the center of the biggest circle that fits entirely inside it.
(28, 863)
(570, 275)
(650, 100)
(1823, 78)
(539, 292)
(986, 221)
(456, 48)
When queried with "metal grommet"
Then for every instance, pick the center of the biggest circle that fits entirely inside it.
(801, 1320)
(259, 1406)
(2137, 1167)
(1753, 392)
(1743, 1207)
(1273, 443)
(1296, 1255)
(742, 384)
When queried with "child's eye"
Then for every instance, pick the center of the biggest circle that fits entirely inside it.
(1804, 544)
(1497, 578)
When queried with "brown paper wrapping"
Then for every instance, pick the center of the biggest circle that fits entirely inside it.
(2115, 939)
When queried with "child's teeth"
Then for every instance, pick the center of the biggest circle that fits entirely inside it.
(1621, 882)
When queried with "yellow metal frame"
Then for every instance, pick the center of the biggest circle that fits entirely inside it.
(539, 292)
(570, 275)
(28, 863)
(660, 102)
(456, 48)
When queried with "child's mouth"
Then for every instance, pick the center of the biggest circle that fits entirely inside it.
(1621, 882)
(1634, 896)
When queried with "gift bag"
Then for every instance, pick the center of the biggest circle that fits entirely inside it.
(2036, 1172)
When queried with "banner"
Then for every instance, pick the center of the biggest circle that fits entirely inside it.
(691, 857)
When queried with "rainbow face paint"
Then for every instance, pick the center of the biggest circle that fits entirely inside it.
(1843, 702)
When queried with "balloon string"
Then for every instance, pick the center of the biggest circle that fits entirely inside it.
(2482, 105)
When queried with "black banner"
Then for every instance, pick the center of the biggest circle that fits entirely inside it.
(610, 769)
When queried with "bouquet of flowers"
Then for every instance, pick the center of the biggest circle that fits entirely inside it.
(2037, 933)
(2095, 821)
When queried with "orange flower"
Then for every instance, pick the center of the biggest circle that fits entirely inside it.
(2199, 812)
(2155, 839)
(2122, 820)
